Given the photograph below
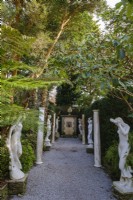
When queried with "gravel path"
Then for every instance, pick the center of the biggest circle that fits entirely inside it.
(67, 174)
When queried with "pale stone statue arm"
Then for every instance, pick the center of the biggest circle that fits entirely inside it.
(125, 129)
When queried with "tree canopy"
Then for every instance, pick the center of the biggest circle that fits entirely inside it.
(46, 43)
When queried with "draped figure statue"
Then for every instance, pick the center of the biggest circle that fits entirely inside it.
(123, 150)
(80, 126)
(47, 140)
(15, 151)
(90, 141)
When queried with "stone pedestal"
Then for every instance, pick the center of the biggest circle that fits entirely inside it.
(122, 192)
(4, 192)
(90, 148)
(97, 143)
(80, 137)
(53, 129)
(47, 144)
(83, 129)
(40, 134)
(16, 187)
(57, 135)
(47, 148)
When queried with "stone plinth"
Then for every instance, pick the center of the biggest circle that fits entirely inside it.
(80, 137)
(4, 192)
(89, 148)
(57, 135)
(47, 148)
(16, 187)
(122, 192)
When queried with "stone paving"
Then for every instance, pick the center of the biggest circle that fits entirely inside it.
(67, 173)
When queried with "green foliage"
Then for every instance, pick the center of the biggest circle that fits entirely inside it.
(30, 123)
(4, 160)
(66, 95)
(109, 107)
(111, 161)
(28, 157)
(130, 156)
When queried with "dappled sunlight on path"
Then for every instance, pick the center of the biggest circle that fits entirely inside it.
(68, 174)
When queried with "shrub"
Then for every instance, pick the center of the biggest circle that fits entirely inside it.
(28, 157)
(32, 140)
(109, 108)
(130, 156)
(111, 161)
(4, 160)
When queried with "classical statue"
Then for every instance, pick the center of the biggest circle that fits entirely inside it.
(47, 140)
(57, 127)
(57, 124)
(123, 150)
(15, 151)
(90, 141)
(80, 126)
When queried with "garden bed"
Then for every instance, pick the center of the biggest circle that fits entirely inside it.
(3, 190)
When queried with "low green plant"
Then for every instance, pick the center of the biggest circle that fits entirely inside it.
(111, 160)
(130, 156)
(28, 157)
(32, 140)
(4, 160)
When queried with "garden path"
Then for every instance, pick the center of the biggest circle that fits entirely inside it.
(67, 173)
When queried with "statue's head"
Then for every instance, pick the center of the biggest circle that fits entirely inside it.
(117, 120)
(49, 116)
(89, 119)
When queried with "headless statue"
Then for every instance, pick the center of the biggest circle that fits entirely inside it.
(47, 140)
(90, 141)
(57, 124)
(80, 126)
(15, 150)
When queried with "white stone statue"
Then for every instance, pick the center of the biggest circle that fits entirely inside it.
(123, 149)
(90, 141)
(57, 124)
(80, 126)
(47, 140)
(15, 150)
(57, 127)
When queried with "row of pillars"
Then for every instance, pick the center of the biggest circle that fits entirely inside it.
(40, 134)
(97, 142)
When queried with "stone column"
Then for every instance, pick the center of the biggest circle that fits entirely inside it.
(40, 134)
(53, 129)
(83, 129)
(97, 143)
